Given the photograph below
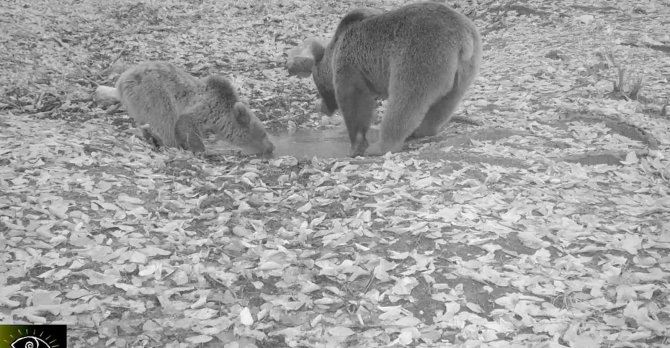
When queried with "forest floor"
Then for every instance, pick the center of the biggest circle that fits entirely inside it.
(546, 226)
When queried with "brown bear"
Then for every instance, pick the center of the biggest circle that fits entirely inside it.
(177, 109)
(421, 57)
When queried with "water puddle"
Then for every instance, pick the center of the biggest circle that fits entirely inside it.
(301, 144)
(334, 142)
(308, 143)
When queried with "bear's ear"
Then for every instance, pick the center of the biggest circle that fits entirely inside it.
(302, 58)
(242, 114)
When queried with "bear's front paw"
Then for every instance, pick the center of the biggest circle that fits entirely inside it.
(359, 145)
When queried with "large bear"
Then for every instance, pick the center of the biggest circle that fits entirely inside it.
(421, 57)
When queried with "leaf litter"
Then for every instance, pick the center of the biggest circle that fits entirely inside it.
(497, 240)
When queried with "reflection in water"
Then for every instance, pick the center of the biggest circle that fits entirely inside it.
(334, 142)
(302, 144)
(308, 143)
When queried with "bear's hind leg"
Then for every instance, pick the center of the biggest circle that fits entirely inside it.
(439, 114)
(357, 104)
(403, 115)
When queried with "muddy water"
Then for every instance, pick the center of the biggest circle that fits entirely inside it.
(334, 142)
(308, 143)
(302, 144)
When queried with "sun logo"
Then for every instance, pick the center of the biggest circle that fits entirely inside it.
(33, 336)
(32, 341)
